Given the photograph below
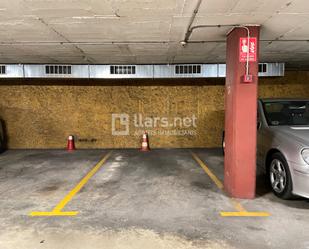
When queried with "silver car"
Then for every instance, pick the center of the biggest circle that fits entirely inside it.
(283, 145)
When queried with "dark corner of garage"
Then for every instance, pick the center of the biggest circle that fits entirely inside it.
(154, 124)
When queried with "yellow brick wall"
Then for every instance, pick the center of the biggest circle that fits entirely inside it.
(41, 114)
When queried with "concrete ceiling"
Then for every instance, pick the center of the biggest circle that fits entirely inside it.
(146, 31)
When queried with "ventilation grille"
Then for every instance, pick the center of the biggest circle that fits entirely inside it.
(58, 69)
(188, 69)
(262, 67)
(2, 69)
(122, 70)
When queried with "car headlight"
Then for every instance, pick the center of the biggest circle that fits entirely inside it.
(305, 155)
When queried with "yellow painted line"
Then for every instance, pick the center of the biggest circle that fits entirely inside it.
(57, 210)
(241, 211)
(237, 205)
(208, 171)
(245, 214)
(81, 184)
(52, 213)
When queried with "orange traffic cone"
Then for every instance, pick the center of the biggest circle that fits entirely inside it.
(71, 144)
(145, 142)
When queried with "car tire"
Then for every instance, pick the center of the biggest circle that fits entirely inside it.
(279, 176)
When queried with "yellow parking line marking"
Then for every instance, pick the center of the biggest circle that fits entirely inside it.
(241, 211)
(57, 210)
(208, 171)
(237, 205)
(52, 213)
(244, 214)
(79, 186)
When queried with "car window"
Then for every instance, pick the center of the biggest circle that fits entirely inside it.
(287, 112)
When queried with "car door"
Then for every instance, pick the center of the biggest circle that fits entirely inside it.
(261, 138)
(259, 158)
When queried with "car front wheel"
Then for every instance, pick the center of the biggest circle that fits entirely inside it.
(280, 177)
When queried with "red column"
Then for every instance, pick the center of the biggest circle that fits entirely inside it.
(241, 113)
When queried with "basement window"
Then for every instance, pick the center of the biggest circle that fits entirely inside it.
(58, 69)
(122, 70)
(2, 69)
(187, 69)
(262, 67)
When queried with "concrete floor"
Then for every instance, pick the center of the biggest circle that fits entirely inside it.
(159, 199)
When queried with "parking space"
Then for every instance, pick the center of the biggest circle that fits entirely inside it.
(159, 199)
(115, 115)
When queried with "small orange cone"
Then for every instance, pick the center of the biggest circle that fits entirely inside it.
(71, 144)
(145, 142)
